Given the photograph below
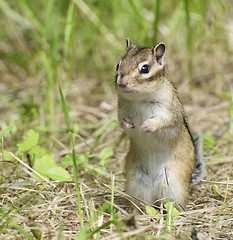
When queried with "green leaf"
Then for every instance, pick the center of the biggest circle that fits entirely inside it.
(171, 209)
(81, 159)
(151, 211)
(67, 160)
(105, 154)
(44, 163)
(216, 189)
(38, 151)
(46, 166)
(58, 173)
(31, 139)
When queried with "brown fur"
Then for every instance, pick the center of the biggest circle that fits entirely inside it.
(161, 156)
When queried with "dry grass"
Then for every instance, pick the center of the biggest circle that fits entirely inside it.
(42, 209)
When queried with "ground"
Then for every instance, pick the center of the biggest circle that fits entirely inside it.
(44, 210)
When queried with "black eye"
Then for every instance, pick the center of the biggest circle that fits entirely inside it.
(117, 67)
(145, 68)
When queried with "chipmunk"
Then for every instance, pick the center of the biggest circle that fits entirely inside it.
(164, 159)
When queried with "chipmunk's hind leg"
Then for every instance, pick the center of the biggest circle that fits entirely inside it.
(199, 166)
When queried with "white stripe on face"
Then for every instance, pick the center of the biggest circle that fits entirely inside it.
(153, 69)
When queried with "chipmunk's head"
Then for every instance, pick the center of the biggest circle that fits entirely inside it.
(140, 70)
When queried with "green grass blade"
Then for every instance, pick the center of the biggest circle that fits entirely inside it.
(70, 22)
(60, 233)
(224, 201)
(67, 120)
(83, 232)
(29, 13)
(48, 13)
(4, 131)
(102, 227)
(93, 18)
(156, 19)
(49, 98)
(189, 40)
(140, 20)
(65, 109)
(112, 210)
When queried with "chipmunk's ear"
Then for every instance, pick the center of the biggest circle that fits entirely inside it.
(129, 44)
(159, 51)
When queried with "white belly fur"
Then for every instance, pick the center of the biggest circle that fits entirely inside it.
(147, 180)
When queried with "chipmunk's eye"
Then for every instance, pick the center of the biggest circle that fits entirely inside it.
(145, 68)
(117, 67)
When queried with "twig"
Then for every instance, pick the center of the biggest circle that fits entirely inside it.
(25, 165)
(214, 182)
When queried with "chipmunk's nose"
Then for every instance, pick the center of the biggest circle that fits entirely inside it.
(123, 84)
(122, 81)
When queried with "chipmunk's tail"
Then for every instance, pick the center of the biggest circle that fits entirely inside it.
(199, 166)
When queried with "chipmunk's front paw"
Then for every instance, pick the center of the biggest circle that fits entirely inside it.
(127, 123)
(149, 125)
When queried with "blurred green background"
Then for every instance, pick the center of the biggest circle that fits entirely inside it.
(47, 42)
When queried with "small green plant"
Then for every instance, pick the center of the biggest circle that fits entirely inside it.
(105, 155)
(153, 212)
(84, 160)
(210, 142)
(29, 110)
(224, 202)
(40, 158)
(91, 230)
(171, 213)
(215, 188)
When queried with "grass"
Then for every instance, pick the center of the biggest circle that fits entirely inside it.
(76, 44)
(224, 201)
(189, 37)
(67, 120)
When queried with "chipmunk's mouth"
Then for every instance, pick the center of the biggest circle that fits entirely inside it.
(127, 90)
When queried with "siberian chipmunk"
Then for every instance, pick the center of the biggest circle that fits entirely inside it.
(164, 159)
